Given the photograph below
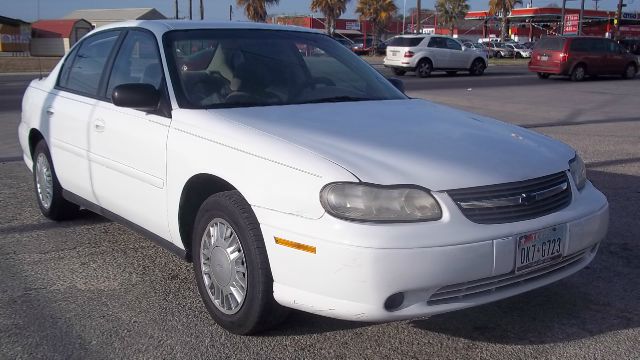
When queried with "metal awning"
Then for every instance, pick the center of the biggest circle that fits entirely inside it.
(348, 32)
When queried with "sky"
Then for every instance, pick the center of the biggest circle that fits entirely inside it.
(219, 9)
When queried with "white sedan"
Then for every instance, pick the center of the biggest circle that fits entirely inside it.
(294, 175)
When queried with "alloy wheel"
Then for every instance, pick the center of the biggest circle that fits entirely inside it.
(44, 181)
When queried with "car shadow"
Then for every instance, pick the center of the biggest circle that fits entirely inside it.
(600, 299)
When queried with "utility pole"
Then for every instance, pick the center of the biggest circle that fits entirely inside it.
(201, 9)
(581, 18)
(619, 19)
(564, 6)
(418, 24)
(404, 16)
(190, 9)
(596, 1)
(175, 6)
(230, 11)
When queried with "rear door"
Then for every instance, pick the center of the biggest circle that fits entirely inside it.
(586, 50)
(438, 52)
(548, 52)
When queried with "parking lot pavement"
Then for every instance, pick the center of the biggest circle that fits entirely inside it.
(91, 288)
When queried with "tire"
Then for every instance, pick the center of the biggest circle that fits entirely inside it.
(579, 73)
(477, 67)
(247, 271)
(630, 71)
(542, 75)
(424, 68)
(518, 55)
(452, 73)
(399, 72)
(48, 189)
(499, 55)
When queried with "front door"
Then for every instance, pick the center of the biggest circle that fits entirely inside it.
(128, 146)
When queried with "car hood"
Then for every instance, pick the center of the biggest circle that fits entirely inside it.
(410, 142)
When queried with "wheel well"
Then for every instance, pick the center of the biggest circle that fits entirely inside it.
(34, 138)
(481, 59)
(197, 189)
(426, 59)
(633, 64)
(584, 65)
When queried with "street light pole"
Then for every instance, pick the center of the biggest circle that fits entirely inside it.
(564, 6)
(418, 24)
(404, 15)
(619, 19)
(581, 18)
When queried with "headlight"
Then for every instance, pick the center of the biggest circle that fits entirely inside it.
(378, 203)
(578, 171)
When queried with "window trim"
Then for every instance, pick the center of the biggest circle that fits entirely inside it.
(107, 64)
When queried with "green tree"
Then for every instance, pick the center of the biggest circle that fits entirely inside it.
(504, 7)
(450, 12)
(256, 10)
(331, 9)
(379, 12)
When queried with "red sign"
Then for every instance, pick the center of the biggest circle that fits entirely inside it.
(571, 24)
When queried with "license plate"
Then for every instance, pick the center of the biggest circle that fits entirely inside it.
(395, 53)
(540, 247)
(544, 58)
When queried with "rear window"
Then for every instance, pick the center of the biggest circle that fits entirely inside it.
(405, 41)
(550, 44)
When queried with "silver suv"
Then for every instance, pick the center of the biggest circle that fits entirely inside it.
(425, 54)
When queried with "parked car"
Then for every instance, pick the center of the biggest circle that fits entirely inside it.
(519, 50)
(364, 47)
(579, 57)
(381, 47)
(478, 47)
(499, 49)
(427, 53)
(303, 181)
(348, 43)
(529, 44)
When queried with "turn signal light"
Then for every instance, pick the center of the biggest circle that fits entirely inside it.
(564, 57)
(409, 54)
(295, 245)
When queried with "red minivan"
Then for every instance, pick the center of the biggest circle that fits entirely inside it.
(580, 56)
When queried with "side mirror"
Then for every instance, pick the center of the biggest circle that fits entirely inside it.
(143, 97)
(397, 83)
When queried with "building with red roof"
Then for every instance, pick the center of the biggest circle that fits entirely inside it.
(56, 37)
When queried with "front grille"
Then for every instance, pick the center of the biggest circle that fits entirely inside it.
(478, 288)
(515, 201)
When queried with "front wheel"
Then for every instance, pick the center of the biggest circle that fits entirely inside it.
(48, 189)
(399, 72)
(424, 68)
(477, 67)
(629, 72)
(231, 266)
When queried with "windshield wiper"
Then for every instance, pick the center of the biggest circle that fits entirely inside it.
(336, 99)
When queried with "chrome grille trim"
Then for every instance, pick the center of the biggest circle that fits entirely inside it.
(461, 291)
(516, 201)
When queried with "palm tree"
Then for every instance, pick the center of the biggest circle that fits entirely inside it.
(331, 9)
(450, 11)
(256, 10)
(504, 7)
(379, 12)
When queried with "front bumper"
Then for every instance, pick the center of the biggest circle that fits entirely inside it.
(357, 267)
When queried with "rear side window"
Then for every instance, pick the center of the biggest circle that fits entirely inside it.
(405, 41)
(582, 45)
(82, 73)
(551, 43)
(438, 42)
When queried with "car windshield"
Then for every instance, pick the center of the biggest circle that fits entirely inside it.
(242, 68)
(518, 46)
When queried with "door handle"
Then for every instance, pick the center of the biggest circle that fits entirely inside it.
(98, 125)
(50, 112)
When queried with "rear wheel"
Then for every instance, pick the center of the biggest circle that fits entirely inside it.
(424, 68)
(399, 72)
(579, 73)
(630, 72)
(499, 55)
(48, 189)
(542, 75)
(477, 67)
(231, 266)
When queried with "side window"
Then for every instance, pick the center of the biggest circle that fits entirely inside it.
(597, 45)
(453, 45)
(138, 61)
(581, 45)
(613, 47)
(85, 69)
(434, 42)
(63, 79)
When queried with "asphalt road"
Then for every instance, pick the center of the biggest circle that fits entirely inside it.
(91, 288)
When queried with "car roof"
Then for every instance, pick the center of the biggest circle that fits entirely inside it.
(159, 27)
